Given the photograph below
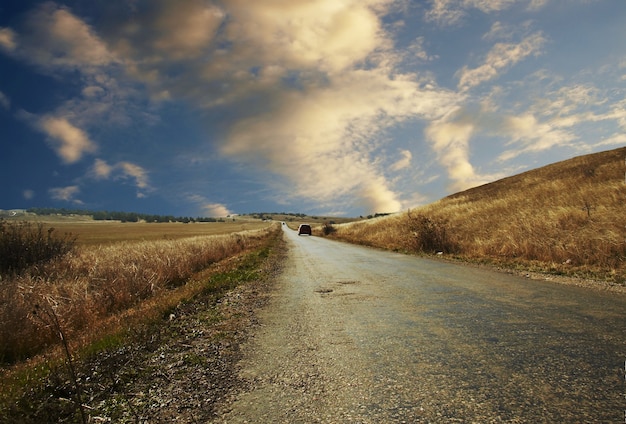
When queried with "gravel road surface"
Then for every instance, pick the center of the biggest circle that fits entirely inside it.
(357, 335)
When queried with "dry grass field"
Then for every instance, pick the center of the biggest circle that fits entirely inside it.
(113, 269)
(567, 218)
(90, 232)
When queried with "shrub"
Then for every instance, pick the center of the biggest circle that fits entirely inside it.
(430, 235)
(328, 229)
(24, 244)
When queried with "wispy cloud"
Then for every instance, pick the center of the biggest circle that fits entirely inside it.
(69, 142)
(499, 58)
(53, 38)
(7, 39)
(4, 101)
(452, 12)
(533, 135)
(67, 194)
(209, 208)
(122, 171)
(404, 162)
(306, 95)
(326, 73)
(450, 138)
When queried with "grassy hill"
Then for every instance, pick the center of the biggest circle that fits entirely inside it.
(566, 218)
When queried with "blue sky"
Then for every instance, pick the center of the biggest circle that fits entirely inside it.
(326, 107)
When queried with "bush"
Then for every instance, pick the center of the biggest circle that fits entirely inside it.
(430, 235)
(23, 245)
(328, 229)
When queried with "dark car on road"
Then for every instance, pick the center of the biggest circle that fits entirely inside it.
(304, 229)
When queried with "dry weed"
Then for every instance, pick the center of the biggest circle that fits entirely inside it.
(96, 282)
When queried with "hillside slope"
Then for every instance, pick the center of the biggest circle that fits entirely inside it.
(565, 218)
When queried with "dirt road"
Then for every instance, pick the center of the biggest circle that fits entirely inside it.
(359, 335)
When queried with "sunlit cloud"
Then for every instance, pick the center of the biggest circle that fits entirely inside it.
(55, 38)
(323, 140)
(136, 172)
(208, 208)
(215, 210)
(613, 140)
(445, 12)
(451, 12)
(67, 194)
(499, 58)
(7, 39)
(532, 135)
(101, 170)
(403, 163)
(451, 142)
(69, 142)
(337, 104)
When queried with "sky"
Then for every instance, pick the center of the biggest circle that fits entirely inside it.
(325, 107)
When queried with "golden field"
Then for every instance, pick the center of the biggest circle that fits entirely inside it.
(90, 232)
(114, 268)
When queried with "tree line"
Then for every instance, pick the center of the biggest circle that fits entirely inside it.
(121, 216)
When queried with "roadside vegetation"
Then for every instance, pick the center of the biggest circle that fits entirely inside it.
(49, 284)
(61, 301)
(567, 218)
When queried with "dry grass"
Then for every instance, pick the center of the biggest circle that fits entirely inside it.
(100, 281)
(566, 218)
(89, 232)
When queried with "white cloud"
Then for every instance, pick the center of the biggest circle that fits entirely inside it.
(445, 12)
(537, 4)
(532, 135)
(501, 56)
(4, 101)
(184, 29)
(488, 6)
(418, 51)
(136, 172)
(54, 38)
(498, 31)
(216, 210)
(403, 163)
(450, 140)
(69, 142)
(7, 39)
(325, 70)
(323, 140)
(452, 12)
(613, 140)
(209, 208)
(56, 41)
(101, 170)
(67, 194)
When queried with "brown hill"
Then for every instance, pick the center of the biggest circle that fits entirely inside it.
(565, 218)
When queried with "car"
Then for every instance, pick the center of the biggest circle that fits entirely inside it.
(304, 229)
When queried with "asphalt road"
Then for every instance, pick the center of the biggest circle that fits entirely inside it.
(356, 335)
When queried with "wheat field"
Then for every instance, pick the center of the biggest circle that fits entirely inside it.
(97, 281)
